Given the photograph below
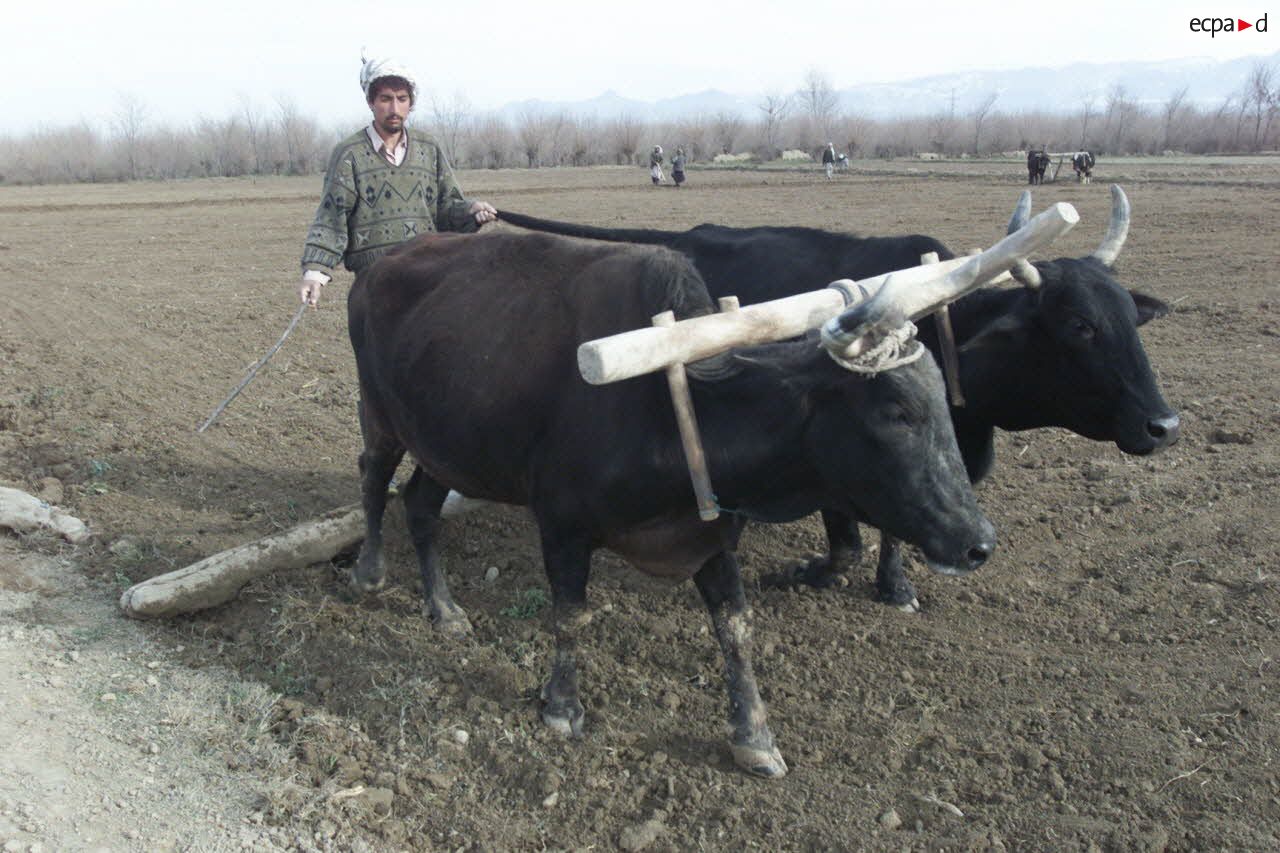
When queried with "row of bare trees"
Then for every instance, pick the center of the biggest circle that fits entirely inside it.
(280, 140)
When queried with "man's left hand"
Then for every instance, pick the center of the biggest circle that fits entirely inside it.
(483, 212)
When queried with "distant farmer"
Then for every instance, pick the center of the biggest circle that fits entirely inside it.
(829, 159)
(386, 184)
(677, 167)
(655, 164)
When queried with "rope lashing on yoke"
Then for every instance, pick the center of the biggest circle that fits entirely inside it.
(896, 347)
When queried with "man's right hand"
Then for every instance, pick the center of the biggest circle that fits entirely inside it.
(309, 291)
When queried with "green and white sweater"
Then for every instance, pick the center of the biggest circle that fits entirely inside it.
(370, 206)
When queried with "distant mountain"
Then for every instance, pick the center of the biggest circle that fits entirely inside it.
(1058, 90)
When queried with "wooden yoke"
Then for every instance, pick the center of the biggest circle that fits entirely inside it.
(919, 290)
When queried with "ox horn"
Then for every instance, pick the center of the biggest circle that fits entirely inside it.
(1021, 213)
(1118, 229)
(1022, 270)
(860, 329)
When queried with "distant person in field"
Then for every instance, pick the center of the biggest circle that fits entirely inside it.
(655, 165)
(677, 167)
(829, 159)
(386, 184)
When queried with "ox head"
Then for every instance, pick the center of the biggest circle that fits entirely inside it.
(1075, 346)
(879, 433)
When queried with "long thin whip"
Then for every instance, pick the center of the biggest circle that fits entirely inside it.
(253, 371)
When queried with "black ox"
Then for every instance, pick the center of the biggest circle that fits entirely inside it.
(1063, 353)
(1082, 162)
(1037, 162)
(465, 349)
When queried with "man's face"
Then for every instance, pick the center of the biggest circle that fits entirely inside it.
(390, 108)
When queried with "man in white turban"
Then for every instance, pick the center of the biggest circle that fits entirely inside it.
(385, 184)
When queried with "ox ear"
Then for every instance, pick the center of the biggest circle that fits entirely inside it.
(1149, 308)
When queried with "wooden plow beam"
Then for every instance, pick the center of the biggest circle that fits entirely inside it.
(669, 345)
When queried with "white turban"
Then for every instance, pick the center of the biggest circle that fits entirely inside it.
(373, 69)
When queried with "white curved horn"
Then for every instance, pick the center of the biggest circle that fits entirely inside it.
(1022, 271)
(1021, 212)
(1109, 249)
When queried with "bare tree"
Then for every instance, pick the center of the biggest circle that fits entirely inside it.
(1260, 100)
(819, 101)
(559, 126)
(583, 138)
(1086, 113)
(448, 120)
(775, 107)
(256, 132)
(78, 147)
(1121, 109)
(128, 122)
(1170, 112)
(531, 130)
(299, 135)
(493, 135)
(625, 133)
(980, 113)
(726, 127)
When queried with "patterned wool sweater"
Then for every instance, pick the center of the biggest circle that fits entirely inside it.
(370, 206)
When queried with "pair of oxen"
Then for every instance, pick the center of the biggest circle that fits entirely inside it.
(467, 349)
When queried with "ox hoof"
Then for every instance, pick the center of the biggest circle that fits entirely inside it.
(902, 596)
(368, 574)
(566, 722)
(365, 585)
(765, 763)
(452, 624)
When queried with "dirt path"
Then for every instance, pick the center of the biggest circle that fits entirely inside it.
(106, 741)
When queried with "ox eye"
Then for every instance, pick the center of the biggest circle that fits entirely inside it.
(1080, 328)
(898, 417)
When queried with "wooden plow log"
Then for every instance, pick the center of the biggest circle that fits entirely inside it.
(219, 578)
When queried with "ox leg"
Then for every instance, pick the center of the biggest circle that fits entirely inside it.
(423, 498)
(892, 585)
(844, 551)
(378, 462)
(568, 566)
(720, 584)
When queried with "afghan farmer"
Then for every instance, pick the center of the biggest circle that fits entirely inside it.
(385, 184)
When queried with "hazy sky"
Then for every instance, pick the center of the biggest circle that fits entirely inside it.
(63, 61)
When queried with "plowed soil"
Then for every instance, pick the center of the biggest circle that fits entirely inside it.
(1106, 682)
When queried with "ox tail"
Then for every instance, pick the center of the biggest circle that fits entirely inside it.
(569, 229)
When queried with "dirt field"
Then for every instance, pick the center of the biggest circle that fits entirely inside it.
(1106, 682)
